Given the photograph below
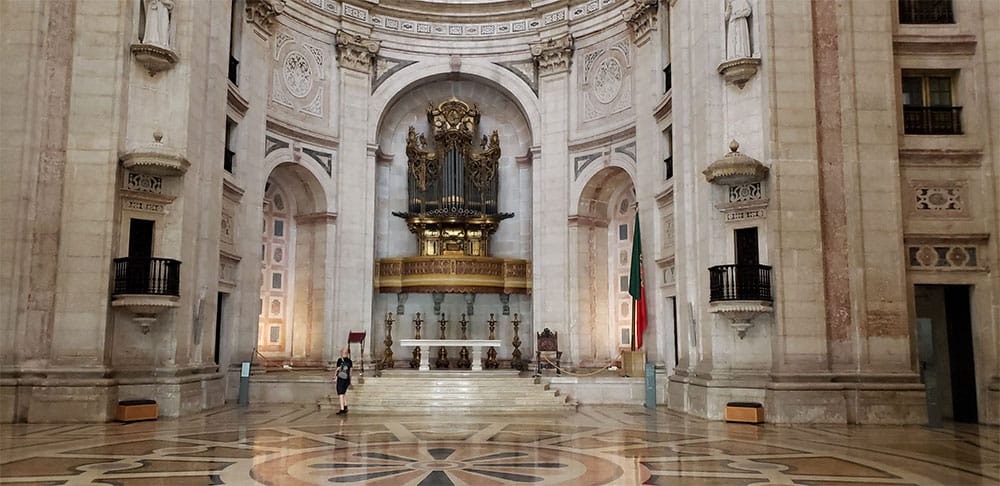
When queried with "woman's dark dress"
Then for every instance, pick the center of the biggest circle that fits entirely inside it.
(342, 384)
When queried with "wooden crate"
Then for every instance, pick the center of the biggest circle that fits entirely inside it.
(136, 410)
(744, 412)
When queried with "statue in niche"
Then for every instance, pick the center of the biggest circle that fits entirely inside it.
(738, 31)
(157, 27)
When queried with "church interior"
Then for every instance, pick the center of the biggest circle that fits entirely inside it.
(721, 242)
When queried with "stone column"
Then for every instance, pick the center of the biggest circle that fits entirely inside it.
(355, 179)
(550, 191)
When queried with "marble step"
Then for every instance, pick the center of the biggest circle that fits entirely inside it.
(410, 391)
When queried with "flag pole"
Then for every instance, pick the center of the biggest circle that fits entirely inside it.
(635, 206)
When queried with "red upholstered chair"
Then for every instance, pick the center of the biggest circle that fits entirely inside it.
(547, 342)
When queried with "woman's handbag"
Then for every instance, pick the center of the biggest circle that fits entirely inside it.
(342, 374)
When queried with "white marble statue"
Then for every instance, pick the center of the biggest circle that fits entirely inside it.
(158, 23)
(738, 33)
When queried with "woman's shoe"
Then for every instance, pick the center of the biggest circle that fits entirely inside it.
(342, 411)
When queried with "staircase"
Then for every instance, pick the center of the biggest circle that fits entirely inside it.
(489, 391)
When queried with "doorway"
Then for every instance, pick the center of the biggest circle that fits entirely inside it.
(947, 357)
(220, 314)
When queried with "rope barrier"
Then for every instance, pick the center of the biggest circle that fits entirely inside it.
(600, 370)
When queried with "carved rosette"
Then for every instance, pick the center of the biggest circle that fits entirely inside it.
(641, 18)
(154, 58)
(356, 52)
(554, 55)
(262, 13)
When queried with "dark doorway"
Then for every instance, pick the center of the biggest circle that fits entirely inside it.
(140, 238)
(220, 313)
(746, 246)
(947, 359)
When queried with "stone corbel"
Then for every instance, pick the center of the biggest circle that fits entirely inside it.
(641, 18)
(741, 313)
(356, 52)
(262, 13)
(154, 58)
(735, 168)
(155, 159)
(739, 71)
(554, 55)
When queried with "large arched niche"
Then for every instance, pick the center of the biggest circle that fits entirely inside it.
(594, 227)
(295, 329)
(499, 111)
(402, 83)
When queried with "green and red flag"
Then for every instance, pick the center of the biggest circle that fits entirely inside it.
(636, 285)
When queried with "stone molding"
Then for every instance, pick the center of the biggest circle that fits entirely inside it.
(553, 56)
(739, 71)
(263, 13)
(940, 158)
(641, 18)
(917, 44)
(236, 101)
(356, 52)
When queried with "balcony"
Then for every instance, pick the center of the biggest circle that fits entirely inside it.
(932, 120)
(146, 287)
(926, 12)
(740, 293)
(740, 282)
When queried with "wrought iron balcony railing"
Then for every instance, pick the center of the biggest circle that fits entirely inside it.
(926, 12)
(932, 120)
(740, 282)
(147, 276)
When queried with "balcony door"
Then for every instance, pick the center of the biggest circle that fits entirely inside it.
(140, 238)
(746, 246)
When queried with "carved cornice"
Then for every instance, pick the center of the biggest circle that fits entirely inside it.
(316, 218)
(553, 56)
(262, 13)
(356, 52)
(641, 18)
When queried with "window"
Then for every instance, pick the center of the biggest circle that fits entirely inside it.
(667, 84)
(928, 105)
(279, 228)
(668, 168)
(926, 12)
(235, 34)
(230, 155)
(668, 161)
(623, 232)
(276, 281)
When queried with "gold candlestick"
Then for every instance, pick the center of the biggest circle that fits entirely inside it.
(415, 361)
(515, 361)
(442, 360)
(463, 355)
(387, 361)
(491, 354)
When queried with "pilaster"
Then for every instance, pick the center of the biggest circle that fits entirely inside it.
(355, 176)
(550, 189)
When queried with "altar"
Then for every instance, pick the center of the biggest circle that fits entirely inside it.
(476, 345)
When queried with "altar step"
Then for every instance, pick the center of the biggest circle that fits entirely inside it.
(488, 391)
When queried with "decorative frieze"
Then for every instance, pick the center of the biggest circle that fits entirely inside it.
(143, 183)
(641, 18)
(939, 199)
(355, 51)
(943, 257)
(262, 13)
(554, 55)
(746, 192)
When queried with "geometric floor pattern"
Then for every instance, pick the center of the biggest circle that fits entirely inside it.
(297, 445)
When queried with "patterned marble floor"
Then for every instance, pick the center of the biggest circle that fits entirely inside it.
(622, 445)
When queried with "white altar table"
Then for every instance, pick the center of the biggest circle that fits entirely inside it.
(476, 345)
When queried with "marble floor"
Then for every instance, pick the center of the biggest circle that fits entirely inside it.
(622, 445)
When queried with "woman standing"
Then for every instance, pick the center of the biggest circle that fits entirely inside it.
(344, 366)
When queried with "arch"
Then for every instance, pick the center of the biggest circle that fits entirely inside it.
(318, 196)
(594, 181)
(595, 242)
(424, 72)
